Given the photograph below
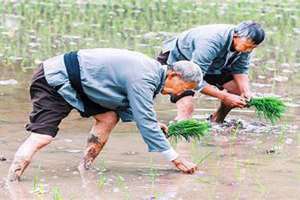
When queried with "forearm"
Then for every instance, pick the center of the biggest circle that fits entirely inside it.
(213, 92)
(242, 81)
(228, 99)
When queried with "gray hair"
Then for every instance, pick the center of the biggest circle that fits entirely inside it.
(189, 71)
(251, 30)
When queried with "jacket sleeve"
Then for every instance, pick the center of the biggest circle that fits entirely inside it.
(140, 98)
(241, 65)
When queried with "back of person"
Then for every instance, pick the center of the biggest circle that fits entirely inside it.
(209, 46)
(217, 33)
(105, 75)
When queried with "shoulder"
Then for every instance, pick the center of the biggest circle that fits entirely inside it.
(217, 34)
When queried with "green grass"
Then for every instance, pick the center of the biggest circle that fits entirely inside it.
(35, 30)
(188, 129)
(271, 108)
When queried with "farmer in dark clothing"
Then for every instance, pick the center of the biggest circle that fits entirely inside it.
(107, 84)
(223, 53)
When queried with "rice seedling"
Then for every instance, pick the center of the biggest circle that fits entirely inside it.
(56, 194)
(101, 181)
(120, 181)
(188, 129)
(271, 108)
(37, 186)
(153, 175)
(199, 160)
(123, 186)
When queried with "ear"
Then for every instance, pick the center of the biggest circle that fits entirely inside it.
(173, 74)
(235, 35)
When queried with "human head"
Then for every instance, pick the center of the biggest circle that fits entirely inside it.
(182, 76)
(247, 35)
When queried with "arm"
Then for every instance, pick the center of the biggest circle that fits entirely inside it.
(242, 81)
(228, 99)
(239, 69)
(213, 92)
(141, 101)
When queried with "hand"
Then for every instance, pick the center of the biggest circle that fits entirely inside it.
(234, 101)
(247, 95)
(184, 165)
(164, 128)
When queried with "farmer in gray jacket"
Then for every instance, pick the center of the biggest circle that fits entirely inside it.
(223, 53)
(107, 84)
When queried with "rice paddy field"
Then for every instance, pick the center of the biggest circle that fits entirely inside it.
(245, 158)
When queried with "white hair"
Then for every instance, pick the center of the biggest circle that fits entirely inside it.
(189, 71)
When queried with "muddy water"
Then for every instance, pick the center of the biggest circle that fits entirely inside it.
(254, 161)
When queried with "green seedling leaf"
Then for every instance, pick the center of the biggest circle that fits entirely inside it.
(270, 108)
(189, 129)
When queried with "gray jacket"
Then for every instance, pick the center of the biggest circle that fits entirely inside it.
(122, 80)
(209, 47)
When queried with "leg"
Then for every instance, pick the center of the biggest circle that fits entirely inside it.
(49, 108)
(223, 110)
(104, 123)
(25, 153)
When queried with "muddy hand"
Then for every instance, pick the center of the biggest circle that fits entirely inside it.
(233, 101)
(247, 95)
(185, 166)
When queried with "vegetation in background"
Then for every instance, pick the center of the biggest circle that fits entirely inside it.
(33, 30)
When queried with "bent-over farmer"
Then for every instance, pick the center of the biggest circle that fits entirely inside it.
(106, 84)
(223, 53)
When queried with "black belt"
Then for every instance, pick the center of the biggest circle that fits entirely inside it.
(73, 70)
(179, 51)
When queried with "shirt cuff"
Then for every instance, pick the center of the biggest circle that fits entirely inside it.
(170, 154)
(201, 86)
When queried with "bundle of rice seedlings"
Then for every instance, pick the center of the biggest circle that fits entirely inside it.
(188, 129)
(271, 108)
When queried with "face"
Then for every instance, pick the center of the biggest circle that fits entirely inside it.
(243, 44)
(175, 85)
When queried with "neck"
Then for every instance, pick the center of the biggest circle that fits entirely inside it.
(232, 44)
